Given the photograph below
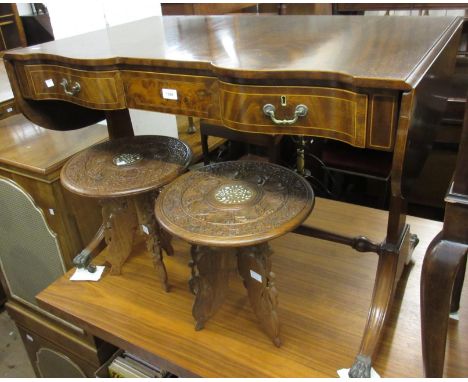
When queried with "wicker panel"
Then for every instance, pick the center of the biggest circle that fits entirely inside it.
(29, 251)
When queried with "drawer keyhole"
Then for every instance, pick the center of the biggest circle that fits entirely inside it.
(283, 100)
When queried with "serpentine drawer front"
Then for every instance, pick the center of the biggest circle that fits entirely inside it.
(319, 111)
(195, 96)
(94, 89)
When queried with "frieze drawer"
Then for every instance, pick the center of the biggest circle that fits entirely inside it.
(195, 96)
(318, 111)
(97, 90)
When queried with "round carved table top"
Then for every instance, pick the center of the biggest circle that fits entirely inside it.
(126, 166)
(234, 203)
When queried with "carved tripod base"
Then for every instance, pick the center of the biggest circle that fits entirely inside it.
(122, 218)
(209, 283)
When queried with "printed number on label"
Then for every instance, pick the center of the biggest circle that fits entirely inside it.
(169, 94)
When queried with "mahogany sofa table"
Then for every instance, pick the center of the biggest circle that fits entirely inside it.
(372, 82)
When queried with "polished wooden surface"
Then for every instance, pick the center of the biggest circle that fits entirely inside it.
(99, 90)
(224, 45)
(343, 114)
(233, 204)
(155, 160)
(325, 292)
(37, 150)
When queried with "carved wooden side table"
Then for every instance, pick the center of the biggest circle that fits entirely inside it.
(126, 175)
(229, 211)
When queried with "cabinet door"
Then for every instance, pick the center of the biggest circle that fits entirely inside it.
(49, 360)
(30, 255)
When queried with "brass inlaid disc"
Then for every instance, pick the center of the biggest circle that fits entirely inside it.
(126, 166)
(234, 203)
(234, 193)
(126, 159)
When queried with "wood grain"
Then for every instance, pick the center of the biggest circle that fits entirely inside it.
(41, 152)
(332, 113)
(325, 293)
(98, 90)
(352, 49)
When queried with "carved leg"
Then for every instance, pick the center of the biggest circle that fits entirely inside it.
(441, 265)
(149, 227)
(120, 222)
(209, 282)
(389, 269)
(165, 239)
(254, 265)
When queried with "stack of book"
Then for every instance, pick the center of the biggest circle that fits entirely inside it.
(128, 365)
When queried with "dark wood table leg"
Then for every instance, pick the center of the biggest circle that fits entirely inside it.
(119, 124)
(389, 269)
(444, 265)
(458, 286)
(144, 206)
(443, 262)
(254, 264)
(120, 223)
(209, 281)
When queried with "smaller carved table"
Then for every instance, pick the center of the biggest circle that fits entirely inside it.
(229, 211)
(126, 175)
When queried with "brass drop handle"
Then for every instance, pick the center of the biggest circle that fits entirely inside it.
(300, 111)
(74, 89)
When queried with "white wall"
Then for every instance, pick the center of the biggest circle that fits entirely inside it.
(24, 9)
(74, 18)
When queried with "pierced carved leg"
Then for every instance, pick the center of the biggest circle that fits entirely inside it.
(254, 264)
(209, 281)
(120, 223)
(165, 239)
(389, 269)
(144, 205)
(442, 263)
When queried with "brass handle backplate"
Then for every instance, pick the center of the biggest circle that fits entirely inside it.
(73, 90)
(300, 111)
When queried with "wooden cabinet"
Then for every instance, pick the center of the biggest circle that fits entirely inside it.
(11, 28)
(42, 228)
(56, 351)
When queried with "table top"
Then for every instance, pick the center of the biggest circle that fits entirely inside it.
(324, 295)
(126, 166)
(234, 203)
(391, 51)
(29, 147)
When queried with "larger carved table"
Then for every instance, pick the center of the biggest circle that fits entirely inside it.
(373, 82)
